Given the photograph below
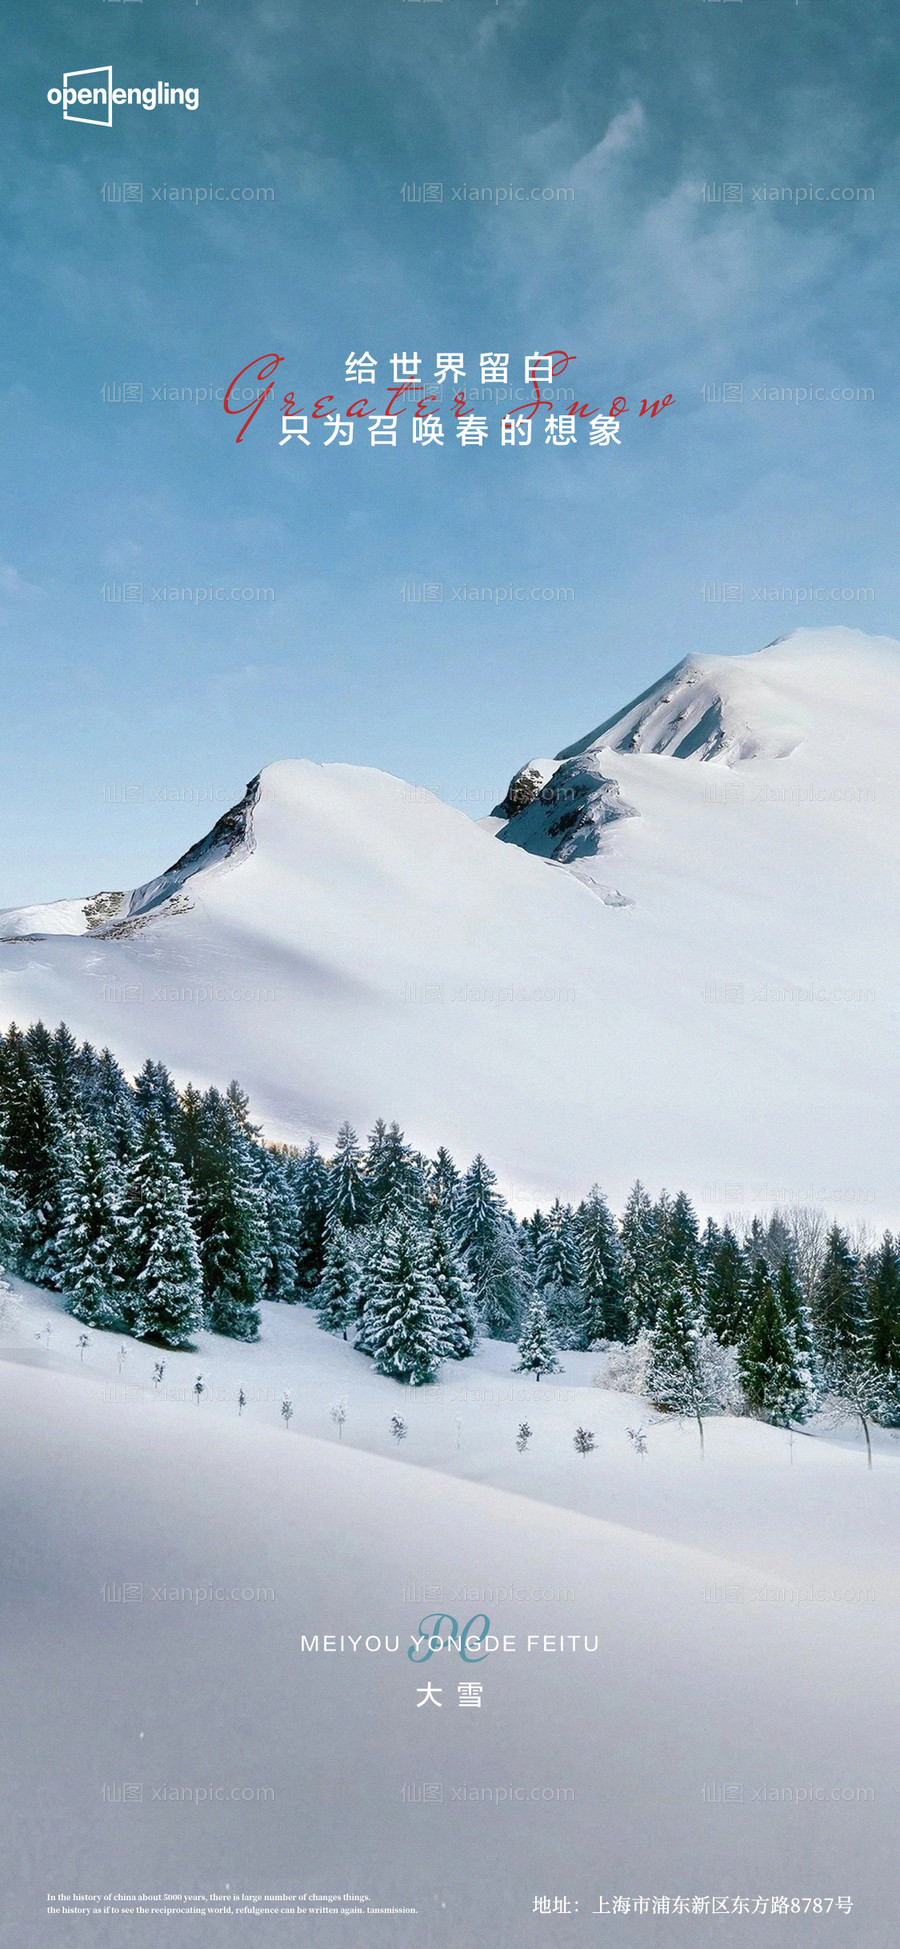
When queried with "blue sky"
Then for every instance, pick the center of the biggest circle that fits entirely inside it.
(124, 725)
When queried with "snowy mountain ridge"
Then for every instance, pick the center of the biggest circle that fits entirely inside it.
(725, 709)
(104, 913)
(708, 996)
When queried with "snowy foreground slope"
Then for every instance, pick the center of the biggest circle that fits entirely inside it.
(744, 1609)
(709, 996)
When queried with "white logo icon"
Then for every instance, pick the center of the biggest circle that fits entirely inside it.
(87, 95)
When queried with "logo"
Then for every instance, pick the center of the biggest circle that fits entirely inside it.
(91, 90)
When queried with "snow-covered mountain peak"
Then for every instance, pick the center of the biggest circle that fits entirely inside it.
(707, 996)
(763, 705)
(112, 913)
(827, 696)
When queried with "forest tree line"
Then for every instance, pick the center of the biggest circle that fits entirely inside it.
(158, 1212)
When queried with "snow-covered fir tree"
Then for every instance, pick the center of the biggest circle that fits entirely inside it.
(12, 1210)
(537, 1349)
(506, 1287)
(790, 1299)
(882, 1301)
(600, 1275)
(729, 1310)
(532, 1233)
(778, 1241)
(89, 1244)
(347, 1190)
(155, 1093)
(557, 1276)
(64, 1071)
(838, 1313)
(442, 1181)
(640, 1260)
(309, 1181)
(682, 1375)
(710, 1241)
(229, 1215)
(280, 1280)
(404, 1324)
(768, 1239)
(110, 1103)
(454, 1292)
(239, 1104)
(394, 1176)
(774, 1374)
(557, 1259)
(678, 1228)
(159, 1271)
(337, 1293)
(484, 1233)
(36, 1151)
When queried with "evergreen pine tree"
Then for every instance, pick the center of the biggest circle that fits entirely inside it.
(39, 1044)
(534, 1231)
(281, 1225)
(229, 1214)
(778, 1241)
(15, 1064)
(155, 1093)
(682, 1240)
(12, 1211)
(506, 1290)
(89, 1245)
(640, 1260)
(681, 1373)
(404, 1321)
(537, 1351)
(484, 1234)
(790, 1299)
(374, 1148)
(454, 1293)
(36, 1153)
(338, 1289)
(729, 1311)
(159, 1267)
(557, 1263)
(113, 1106)
(600, 1276)
(838, 1306)
(882, 1301)
(709, 1246)
(64, 1071)
(557, 1276)
(309, 1179)
(347, 1192)
(187, 1130)
(442, 1181)
(755, 1241)
(239, 1104)
(393, 1176)
(774, 1376)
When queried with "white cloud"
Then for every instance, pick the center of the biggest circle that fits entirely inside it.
(13, 584)
(505, 16)
(623, 133)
